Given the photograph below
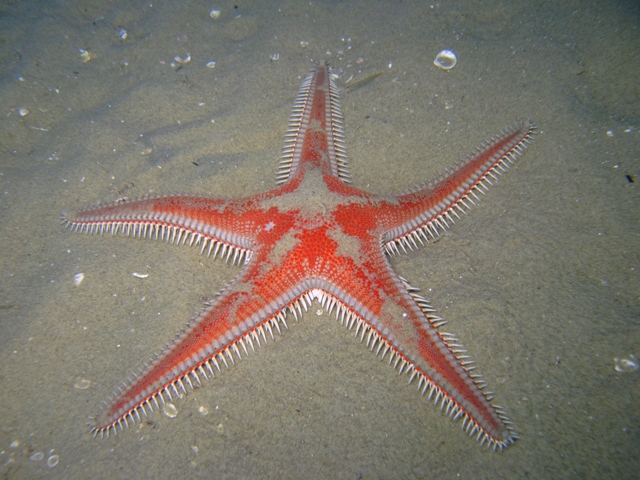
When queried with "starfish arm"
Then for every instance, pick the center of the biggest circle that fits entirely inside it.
(315, 134)
(230, 326)
(394, 319)
(220, 227)
(356, 278)
(403, 324)
(271, 284)
(423, 213)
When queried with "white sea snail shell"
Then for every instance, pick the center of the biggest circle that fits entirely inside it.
(445, 60)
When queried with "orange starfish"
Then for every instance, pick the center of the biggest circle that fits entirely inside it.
(315, 236)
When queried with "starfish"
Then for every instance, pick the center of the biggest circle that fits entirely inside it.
(315, 237)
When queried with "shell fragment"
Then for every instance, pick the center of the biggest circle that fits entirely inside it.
(445, 60)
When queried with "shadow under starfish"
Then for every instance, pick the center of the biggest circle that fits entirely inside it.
(315, 236)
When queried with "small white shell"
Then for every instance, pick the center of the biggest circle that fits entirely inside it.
(183, 60)
(23, 112)
(629, 364)
(82, 384)
(85, 55)
(170, 410)
(445, 60)
(53, 460)
(36, 457)
(211, 64)
(78, 278)
(215, 14)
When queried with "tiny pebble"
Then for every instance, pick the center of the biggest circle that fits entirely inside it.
(85, 55)
(211, 64)
(215, 14)
(78, 278)
(122, 33)
(23, 112)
